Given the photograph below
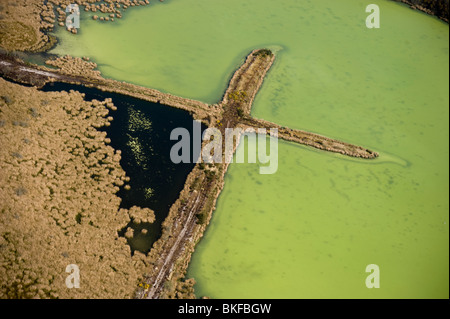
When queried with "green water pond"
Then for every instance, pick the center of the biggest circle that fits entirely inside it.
(310, 230)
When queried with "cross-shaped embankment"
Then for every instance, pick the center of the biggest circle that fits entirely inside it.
(190, 214)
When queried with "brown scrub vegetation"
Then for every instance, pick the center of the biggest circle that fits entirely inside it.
(58, 181)
(24, 24)
(75, 66)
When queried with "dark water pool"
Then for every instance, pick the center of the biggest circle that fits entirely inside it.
(141, 130)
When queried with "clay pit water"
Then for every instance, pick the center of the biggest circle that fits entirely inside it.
(310, 230)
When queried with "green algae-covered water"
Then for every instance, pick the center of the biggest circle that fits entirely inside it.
(310, 230)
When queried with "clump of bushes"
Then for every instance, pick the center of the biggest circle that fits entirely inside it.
(20, 123)
(210, 174)
(34, 112)
(238, 96)
(263, 53)
(6, 99)
(20, 191)
(201, 217)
